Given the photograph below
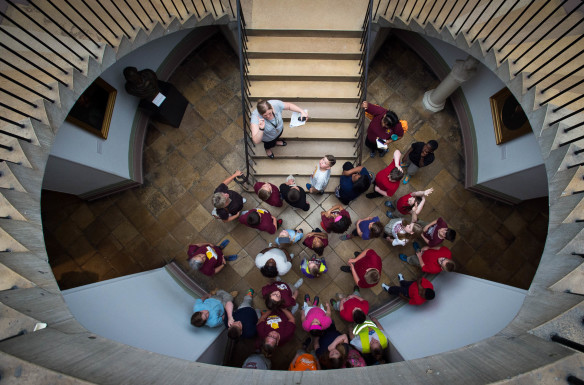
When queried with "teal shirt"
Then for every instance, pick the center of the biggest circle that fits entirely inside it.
(215, 308)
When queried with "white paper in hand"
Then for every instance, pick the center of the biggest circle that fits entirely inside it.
(294, 121)
(158, 99)
(381, 144)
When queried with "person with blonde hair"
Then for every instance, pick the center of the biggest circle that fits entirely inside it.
(365, 268)
(400, 231)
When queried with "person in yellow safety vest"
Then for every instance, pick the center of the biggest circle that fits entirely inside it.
(370, 337)
(313, 267)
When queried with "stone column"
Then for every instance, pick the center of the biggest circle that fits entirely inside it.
(462, 70)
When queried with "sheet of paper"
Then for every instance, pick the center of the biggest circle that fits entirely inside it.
(158, 99)
(294, 122)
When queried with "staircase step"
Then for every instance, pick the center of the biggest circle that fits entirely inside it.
(304, 47)
(321, 131)
(303, 69)
(325, 111)
(305, 90)
(314, 150)
(273, 167)
(323, 33)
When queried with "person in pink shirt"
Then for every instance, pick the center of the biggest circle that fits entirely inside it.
(314, 318)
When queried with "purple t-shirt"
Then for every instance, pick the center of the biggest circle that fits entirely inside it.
(364, 227)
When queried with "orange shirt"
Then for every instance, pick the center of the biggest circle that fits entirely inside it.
(303, 363)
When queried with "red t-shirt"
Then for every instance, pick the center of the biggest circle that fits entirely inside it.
(415, 298)
(430, 258)
(432, 233)
(326, 221)
(283, 288)
(350, 305)
(212, 260)
(274, 199)
(277, 321)
(371, 260)
(402, 203)
(266, 222)
(383, 182)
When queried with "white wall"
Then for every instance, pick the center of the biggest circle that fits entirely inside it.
(496, 161)
(89, 154)
(466, 310)
(147, 310)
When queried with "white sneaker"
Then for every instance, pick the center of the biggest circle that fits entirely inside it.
(291, 255)
(244, 200)
(294, 308)
(270, 244)
(385, 287)
(278, 278)
(400, 276)
(298, 283)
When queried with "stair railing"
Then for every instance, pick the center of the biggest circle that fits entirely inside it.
(248, 144)
(363, 71)
(449, 14)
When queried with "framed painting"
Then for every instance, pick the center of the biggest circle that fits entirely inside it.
(509, 119)
(94, 108)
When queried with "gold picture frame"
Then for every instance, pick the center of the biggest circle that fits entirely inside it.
(94, 109)
(509, 119)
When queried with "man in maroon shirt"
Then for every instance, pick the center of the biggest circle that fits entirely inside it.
(268, 193)
(365, 268)
(275, 328)
(260, 219)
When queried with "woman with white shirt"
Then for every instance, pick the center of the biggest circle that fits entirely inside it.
(274, 261)
(399, 231)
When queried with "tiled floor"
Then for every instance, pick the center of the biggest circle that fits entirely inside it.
(144, 228)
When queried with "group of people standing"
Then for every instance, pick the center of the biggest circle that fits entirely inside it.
(366, 341)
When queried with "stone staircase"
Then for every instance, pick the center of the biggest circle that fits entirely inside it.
(317, 70)
(522, 353)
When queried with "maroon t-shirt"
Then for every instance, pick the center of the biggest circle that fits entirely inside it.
(283, 288)
(370, 260)
(309, 239)
(432, 233)
(326, 221)
(266, 222)
(212, 260)
(274, 199)
(277, 321)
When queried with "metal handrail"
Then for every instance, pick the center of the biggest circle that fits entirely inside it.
(363, 70)
(248, 144)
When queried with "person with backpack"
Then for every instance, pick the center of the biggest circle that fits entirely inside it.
(384, 125)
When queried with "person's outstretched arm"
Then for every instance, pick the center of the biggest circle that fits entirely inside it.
(232, 177)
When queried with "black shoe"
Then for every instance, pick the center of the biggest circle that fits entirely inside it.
(316, 301)
(307, 297)
(332, 302)
(356, 253)
(356, 288)
(372, 195)
(346, 269)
